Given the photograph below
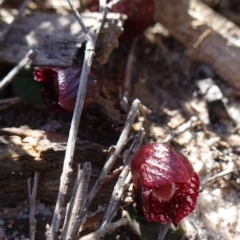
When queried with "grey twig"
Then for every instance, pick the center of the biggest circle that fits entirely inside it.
(1, 1)
(181, 129)
(67, 165)
(127, 75)
(73, 217)
(102, 5)
(112, 3)
(32, 193)
(113, 157)
(78, 16)
(123, 180)
(113, 174)
(223, 173)
(5, 103)
(7, 80)
(107, 228)
(9, 27)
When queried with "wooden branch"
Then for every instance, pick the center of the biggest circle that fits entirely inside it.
(208, 37)
(56, 38)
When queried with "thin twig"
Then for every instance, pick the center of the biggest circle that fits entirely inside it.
(78, 17)
(71, 202)
(107, 228)
(7, 80)
(10, 101)
(123, 180)
(113, 157)
(9, 27)
(113, 174)
(127, 75)
(91, 221)
(1, 1)
(112, 3)
(5, 103)
(32, 193)
(181, 129)
(223, 173)
(67, 166)
(73, 218)
(102, 5)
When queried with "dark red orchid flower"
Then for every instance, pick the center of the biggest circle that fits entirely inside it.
(139, 12)
(60, 86)
(165, 183)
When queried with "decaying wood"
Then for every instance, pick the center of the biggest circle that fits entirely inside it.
(56, 38)
(209, 37)
(21, 156)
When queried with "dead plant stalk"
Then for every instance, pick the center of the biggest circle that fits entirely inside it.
(67, 165)
(32, 193)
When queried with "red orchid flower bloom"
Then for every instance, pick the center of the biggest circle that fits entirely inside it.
(60, 86)
(166, 185)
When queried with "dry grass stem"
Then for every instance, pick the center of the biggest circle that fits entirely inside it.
(123, 180)
(181, 129)
(117, 150)
(32, 193)
(223, 173)
(67, 166)
(113, 174)
(112, 3)
(77, 16)
(5, 103)
(73, 218)
(7, 80)
(107, 228)
(127, 75)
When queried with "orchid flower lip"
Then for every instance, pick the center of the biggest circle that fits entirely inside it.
(165, 183)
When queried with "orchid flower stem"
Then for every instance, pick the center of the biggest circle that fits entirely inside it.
(163, 233)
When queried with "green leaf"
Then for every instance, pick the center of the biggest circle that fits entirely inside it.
(150, 230)
(27, 88)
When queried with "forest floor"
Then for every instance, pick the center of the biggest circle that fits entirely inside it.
(166, 82)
